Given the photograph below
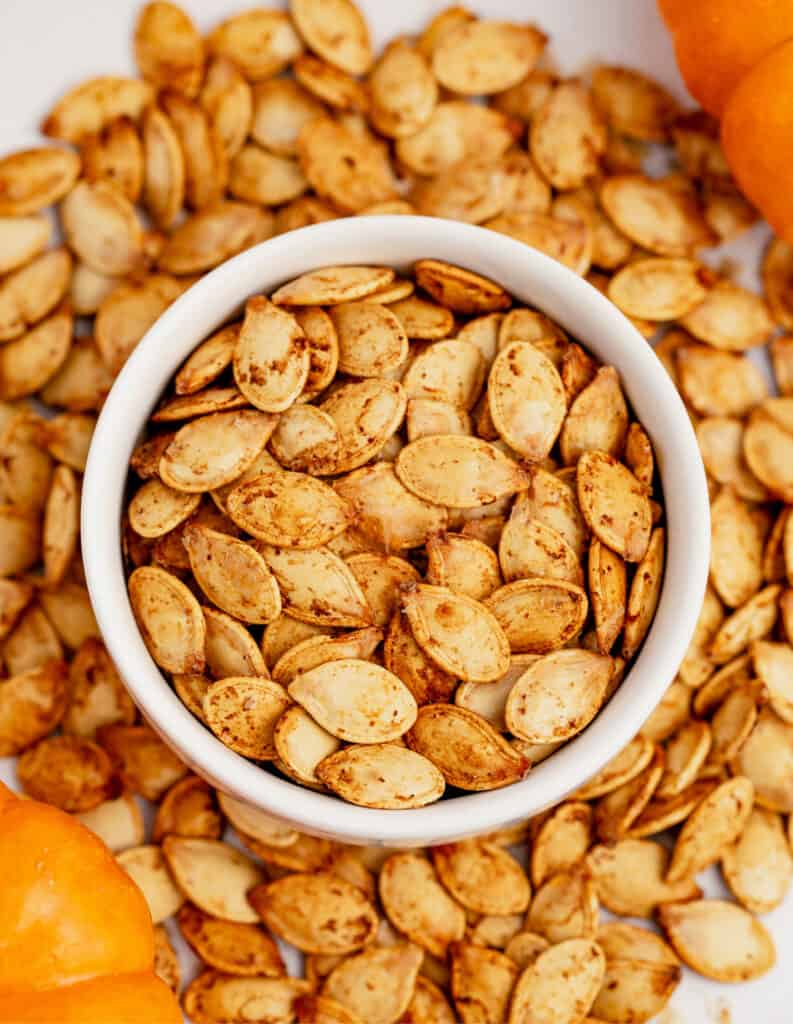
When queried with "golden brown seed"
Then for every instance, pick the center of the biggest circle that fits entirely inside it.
(455, 131)
(718, 939)
(115, 155)
(382, 775)
(214, 450)
(118, 823)
(336, 31)
(168, 48)
(659, 288)
(644, 595)
(29, 362)
(718, 383)
(530, 428)
(418, 905)
(758, 867)
(316, 650)
(102, 228)
(458, 289)
(97, 696)
(686, 752)
(213, 235)
(561, 841)
(614, 504)
(317, 587)
(469, 752)
(715, 823)
(482, 877)
(752, 621)
(565, 906)
(463, 564)
(448, 371)
(291, 510)
(170, 619)
(558, 695)
(482, 57)
(356, 700)
(229, 647)
(403, 91)
(234, 948)
(458, 633)
(459, 472)
(670, 714)
(128, 311)
(403, 656)
(617, 810)
(630, 761)
(561, 985)
(70, 772)
(317, 913)
(567, 136)
(597, 419)
(214, 876)
(147, 868)
(35, 178)
(156, 509)
(539, 615)
(765, 758)
(32, 643)
(733, 722)
(642, 972)
(633, 104)
(144, 763)
(33, 704)
(608, 593)
(630, 877)
(189, 808)
(32, 292)
(260, 42)
(481, 982)
(730, 318)
(655, 215)
(88, 107)
(164, 168)
(243, 712)
(377, 984)
(261, 177)
(382, 578)
(495, 930)
(213, 996)
(255, 824)
(349, 170)
(766, 447)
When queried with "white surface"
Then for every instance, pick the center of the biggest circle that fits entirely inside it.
(536, 280)
(50, 44)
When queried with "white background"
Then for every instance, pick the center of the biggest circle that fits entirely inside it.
(49, 45)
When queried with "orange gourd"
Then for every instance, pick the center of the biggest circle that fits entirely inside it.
(736, 57)
(76, 937)
(757, 137)
(718, 41)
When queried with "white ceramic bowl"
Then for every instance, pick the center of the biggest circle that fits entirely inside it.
(532, 278)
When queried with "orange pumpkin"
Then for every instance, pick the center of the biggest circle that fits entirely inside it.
(718, 41)
(736, 57)
(757, 137)
(76, 937)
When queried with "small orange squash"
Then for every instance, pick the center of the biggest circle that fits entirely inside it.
(76, 937)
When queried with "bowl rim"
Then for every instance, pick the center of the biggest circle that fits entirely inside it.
(533, 278)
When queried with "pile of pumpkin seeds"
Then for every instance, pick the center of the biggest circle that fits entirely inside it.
(215, 127)
(418, 584)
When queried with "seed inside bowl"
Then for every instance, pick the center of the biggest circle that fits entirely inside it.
(326, 478)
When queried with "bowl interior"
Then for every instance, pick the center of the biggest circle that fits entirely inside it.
(533, 279)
